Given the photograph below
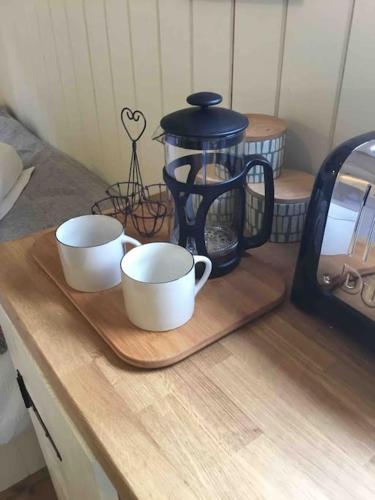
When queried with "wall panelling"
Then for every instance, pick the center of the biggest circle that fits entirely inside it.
(68, 66)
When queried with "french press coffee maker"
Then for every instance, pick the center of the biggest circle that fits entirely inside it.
(205, 172)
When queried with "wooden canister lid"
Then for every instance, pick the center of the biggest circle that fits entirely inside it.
(291, 186)
(264, 127)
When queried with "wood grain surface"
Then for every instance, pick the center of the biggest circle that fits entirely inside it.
(283, 409)
(264, 127)
(224, 304)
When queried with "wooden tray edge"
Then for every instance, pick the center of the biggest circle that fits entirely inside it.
(165, 362)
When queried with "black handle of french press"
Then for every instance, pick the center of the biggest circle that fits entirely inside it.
(265, 231)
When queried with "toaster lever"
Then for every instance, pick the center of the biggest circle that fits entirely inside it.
(353, 280)
(369, 239)
(353, 240)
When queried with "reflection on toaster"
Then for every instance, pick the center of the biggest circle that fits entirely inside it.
(347, 260)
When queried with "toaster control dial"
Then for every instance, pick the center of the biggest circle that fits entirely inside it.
(326, 279)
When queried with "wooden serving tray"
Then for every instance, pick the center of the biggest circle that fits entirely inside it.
(223, 305)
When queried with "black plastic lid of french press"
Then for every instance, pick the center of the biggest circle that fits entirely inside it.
(204, 125)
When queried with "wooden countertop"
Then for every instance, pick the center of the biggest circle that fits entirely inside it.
(284, 408)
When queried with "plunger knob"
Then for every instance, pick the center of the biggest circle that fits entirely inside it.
(204, 99)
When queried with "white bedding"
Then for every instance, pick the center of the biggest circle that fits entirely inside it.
(10, 168)
(13, 178)
(10, 199)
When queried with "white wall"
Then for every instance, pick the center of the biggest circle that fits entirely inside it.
(68, 66)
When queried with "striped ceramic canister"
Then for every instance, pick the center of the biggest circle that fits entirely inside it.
(292, 195)
(266, 136)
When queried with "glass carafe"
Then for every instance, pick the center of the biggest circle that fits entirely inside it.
(205, 172)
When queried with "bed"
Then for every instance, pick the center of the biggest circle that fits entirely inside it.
(59, 188)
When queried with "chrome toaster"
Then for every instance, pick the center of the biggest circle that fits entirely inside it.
(335, 273)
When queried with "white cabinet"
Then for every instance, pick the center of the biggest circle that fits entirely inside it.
(74, 471)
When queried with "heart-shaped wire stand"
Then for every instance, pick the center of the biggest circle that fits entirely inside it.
(144, 204)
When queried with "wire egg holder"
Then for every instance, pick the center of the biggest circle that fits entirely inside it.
(143, 204)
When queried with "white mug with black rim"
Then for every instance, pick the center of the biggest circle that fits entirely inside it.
(159, 285)
(91, 248)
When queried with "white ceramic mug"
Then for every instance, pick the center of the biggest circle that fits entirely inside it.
(91, 248)
(158, 283)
